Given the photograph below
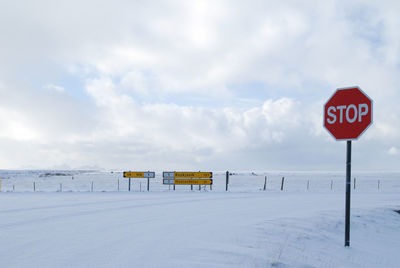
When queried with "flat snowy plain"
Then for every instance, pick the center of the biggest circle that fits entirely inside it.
(244, 227)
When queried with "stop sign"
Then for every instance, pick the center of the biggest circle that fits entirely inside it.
(348, 113)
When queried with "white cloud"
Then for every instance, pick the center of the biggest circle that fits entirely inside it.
(52, 87)
(191, 82)
(393, 151)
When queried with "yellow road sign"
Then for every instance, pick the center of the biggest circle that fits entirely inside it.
(193, 181)
(131, 174)
(193, 174)
(139, 174)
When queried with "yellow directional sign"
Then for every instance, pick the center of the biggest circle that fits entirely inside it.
(193, 181)
(193, 174)
(130, 174)
(138, 174)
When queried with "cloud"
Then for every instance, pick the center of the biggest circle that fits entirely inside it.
(54, 88)
(393, 151)
(199, 83)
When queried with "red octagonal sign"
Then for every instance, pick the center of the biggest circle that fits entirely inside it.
(348, 113)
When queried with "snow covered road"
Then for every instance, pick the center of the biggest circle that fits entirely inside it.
(197, 229)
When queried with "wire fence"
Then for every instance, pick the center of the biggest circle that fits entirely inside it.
(79, 181)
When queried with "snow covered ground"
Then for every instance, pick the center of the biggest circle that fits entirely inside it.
(245, 227)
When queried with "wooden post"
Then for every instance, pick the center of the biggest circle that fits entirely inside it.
(283, 180)
(265, 183)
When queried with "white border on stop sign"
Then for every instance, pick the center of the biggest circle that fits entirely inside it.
(372, 112)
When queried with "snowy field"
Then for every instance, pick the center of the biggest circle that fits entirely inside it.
(244, 227)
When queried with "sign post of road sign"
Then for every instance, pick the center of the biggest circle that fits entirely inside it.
(347, 114)
(193, 174)
(168, 177)
(139, 174)
(168, 181)
(193, 181)
(187, 178)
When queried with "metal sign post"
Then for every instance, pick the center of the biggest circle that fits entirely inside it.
(348, 191)
(187, 178)
(227, 181)
(139, 174)
(347, 114)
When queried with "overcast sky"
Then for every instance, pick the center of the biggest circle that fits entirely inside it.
(202, 85)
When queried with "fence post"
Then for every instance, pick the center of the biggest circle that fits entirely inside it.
(129, 185)
(13, 187)
(308, 185)
(174, 187)
(199, 187)
(227, 181)
(118, 185)
(140, 186)
(331, 184)
(92, 186)
(148, 184)
(34, 186)
(354, 183)
(379, 182)
(191, 187)
(265, 183)
(60, 187)
(283, 180)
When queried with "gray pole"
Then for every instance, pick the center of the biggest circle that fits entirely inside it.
(348, 190)
(283, 180)
(148, 184)
(129, 185)
(227, 180)
(265, 183)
